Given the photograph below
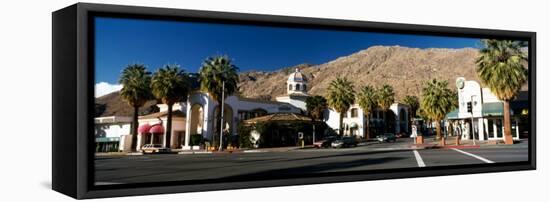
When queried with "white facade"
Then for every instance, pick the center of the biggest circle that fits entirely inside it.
(355, 121)
(110, 132)
(486, 125)
(177, 133)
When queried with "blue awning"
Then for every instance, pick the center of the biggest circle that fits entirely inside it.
(107, 139)
(493, 109)
(453, 114)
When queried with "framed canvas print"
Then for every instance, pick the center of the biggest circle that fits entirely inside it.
(137, 95)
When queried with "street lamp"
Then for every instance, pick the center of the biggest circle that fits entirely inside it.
(222, 114)
(472, 119)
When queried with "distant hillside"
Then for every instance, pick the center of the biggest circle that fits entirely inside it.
(403, 68)
(111, 105)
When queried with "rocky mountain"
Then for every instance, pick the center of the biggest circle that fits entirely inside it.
(403, 68)
(111, 105)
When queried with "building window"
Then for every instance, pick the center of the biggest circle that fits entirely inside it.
(304, 87)
(297, 86)
(354, 112)
(289, 86)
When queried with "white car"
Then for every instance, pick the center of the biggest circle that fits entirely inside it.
(154, 148)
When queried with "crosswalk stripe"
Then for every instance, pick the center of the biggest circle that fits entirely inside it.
(419, 159)
(473, 155)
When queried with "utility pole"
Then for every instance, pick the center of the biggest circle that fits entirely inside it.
(222, 114)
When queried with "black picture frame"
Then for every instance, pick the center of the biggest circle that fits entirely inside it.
(73, 99)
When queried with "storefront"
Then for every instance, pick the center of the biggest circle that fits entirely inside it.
(485, 119)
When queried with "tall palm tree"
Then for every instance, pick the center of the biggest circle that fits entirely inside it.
(413, 103)
(368, 101)
(437, 101)
(386, 97)
(500, 66)
(316, 106)
(341, 96)
(135, 80)
(219, 73)
(170, 84)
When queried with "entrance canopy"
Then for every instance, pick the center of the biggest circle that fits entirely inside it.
(493, 109)
(453, 114)
(280, 117)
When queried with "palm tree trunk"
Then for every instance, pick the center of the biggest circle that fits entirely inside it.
(385, 121)
(169, 126)
(341, 124)
(216, 135)
(367, 134)
(438, 129)
(507, 124)
(134, 129)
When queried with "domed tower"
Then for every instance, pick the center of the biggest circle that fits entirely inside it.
(297, 83)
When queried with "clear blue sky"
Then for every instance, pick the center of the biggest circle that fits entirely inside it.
(120, 42)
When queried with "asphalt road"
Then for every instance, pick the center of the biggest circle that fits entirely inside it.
(177, 167)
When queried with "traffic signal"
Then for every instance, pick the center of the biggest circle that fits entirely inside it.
(469, 104)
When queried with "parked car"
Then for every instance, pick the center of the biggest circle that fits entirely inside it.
(324, 143)
(344, 142)
(154, 148)
(386, 137)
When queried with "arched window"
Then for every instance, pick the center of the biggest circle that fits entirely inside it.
(297, 86)
(289, 86)
(304, 87)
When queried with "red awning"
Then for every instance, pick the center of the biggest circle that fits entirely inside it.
(144, 128)
(157, 128)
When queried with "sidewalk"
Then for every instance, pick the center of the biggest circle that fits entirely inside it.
(450, 142)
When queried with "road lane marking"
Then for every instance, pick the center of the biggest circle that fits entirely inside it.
(419, 159)
(473, 155)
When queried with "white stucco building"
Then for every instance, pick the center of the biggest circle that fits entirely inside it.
(487, 112)
(109, 132)
(355, 120)
(197, 116)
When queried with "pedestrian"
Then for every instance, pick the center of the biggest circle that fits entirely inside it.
(413, 133)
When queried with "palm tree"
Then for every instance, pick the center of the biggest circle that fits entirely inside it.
(135, 80)
(386, 97)
(170, 85)
(412, 101)
(316, 106)
(340, 97)
(437, 101)
(500, 66)
(368, 101)
(218, 74)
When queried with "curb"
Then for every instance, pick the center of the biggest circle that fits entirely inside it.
(195, 152)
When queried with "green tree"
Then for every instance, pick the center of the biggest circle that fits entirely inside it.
(316, 106)
(170, 84)
(437, 101)
(341, 96)
(136, 81)
(500, 66)
(386, 97)
(218, 73)
(413, 103)
(368, 101)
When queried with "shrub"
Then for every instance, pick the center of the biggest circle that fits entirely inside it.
(196, 139)
(244, 136)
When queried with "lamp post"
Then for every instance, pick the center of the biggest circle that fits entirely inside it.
(222, 114)
(472, 119)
